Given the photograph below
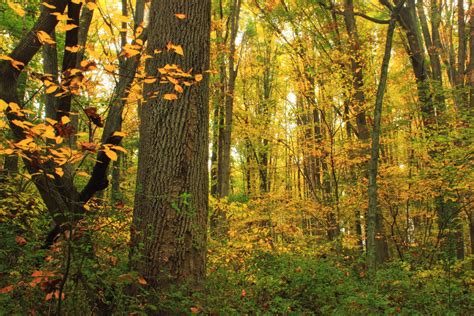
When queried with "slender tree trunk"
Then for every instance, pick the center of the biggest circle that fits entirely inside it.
(229, 99)
(462, 40)
(377, 249)
(169, 228)
(471, 59)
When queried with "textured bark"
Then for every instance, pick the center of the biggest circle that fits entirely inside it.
(359, 96)
(69, 60)
(429, 42)
(50, 68)
(471, 60)
(226, 130)
(357, 71)
(170, 217)
(462, 39)
(377, 249)
(409, 23)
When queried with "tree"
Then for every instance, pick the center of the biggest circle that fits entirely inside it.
(377, 249)
(169, 227)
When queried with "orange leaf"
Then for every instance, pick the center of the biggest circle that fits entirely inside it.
(170, 96)
(20, 241)
(44, 38)
(7, 289)
(180, 16)
(198, 78)
(195, 310)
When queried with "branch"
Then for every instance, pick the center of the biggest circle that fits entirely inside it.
(360, 14)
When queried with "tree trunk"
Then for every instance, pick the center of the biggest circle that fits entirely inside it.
(229, 99)
(168, 234)
(377, 249)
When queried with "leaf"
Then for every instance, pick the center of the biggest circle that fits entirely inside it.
(85, 146)
(65, 120)
(109, 68)
(15, 63)
(119, 134)
(3, 105)
(180, 16)
(20, 241)
(178, 88)
(47, 5)
(91, 6)
(59, 171)
(198, 78)
(179, 50)
(119, 148)
(195, 310)
(111, 154)
(142, 281)
(61, 17)
(66, 27)
(44, 38)
(149, 80)
(6, 289)
(170, 96)
(16, 8)
(72, 49)
(51, 89)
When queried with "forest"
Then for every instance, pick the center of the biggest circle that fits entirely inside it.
(236, 157)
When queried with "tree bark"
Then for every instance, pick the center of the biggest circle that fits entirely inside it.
(377, 249)
(169, 228)
(224, 167)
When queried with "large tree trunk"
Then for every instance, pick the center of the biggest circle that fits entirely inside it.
(358, 98)
(170, 217)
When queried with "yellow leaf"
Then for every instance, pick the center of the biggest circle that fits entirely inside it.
(51, 89)
(16, 8)
(119, 134)
(176, 48)
(72, 49)
(44, 38)
(180, 16)
(149, 80)
(50, 121)
(47, 5)
(66, 27)
(170, 96)
(65, 120)
(91, 6)
(178, 88)
(111, 154)
(49, 133)
(123, 18)
(7, 151)
(3, 105)
(129, 52)
(119, 148)
(198, 78)
(109, 68)
(179, 50)
(59, 171)
(61, 17)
